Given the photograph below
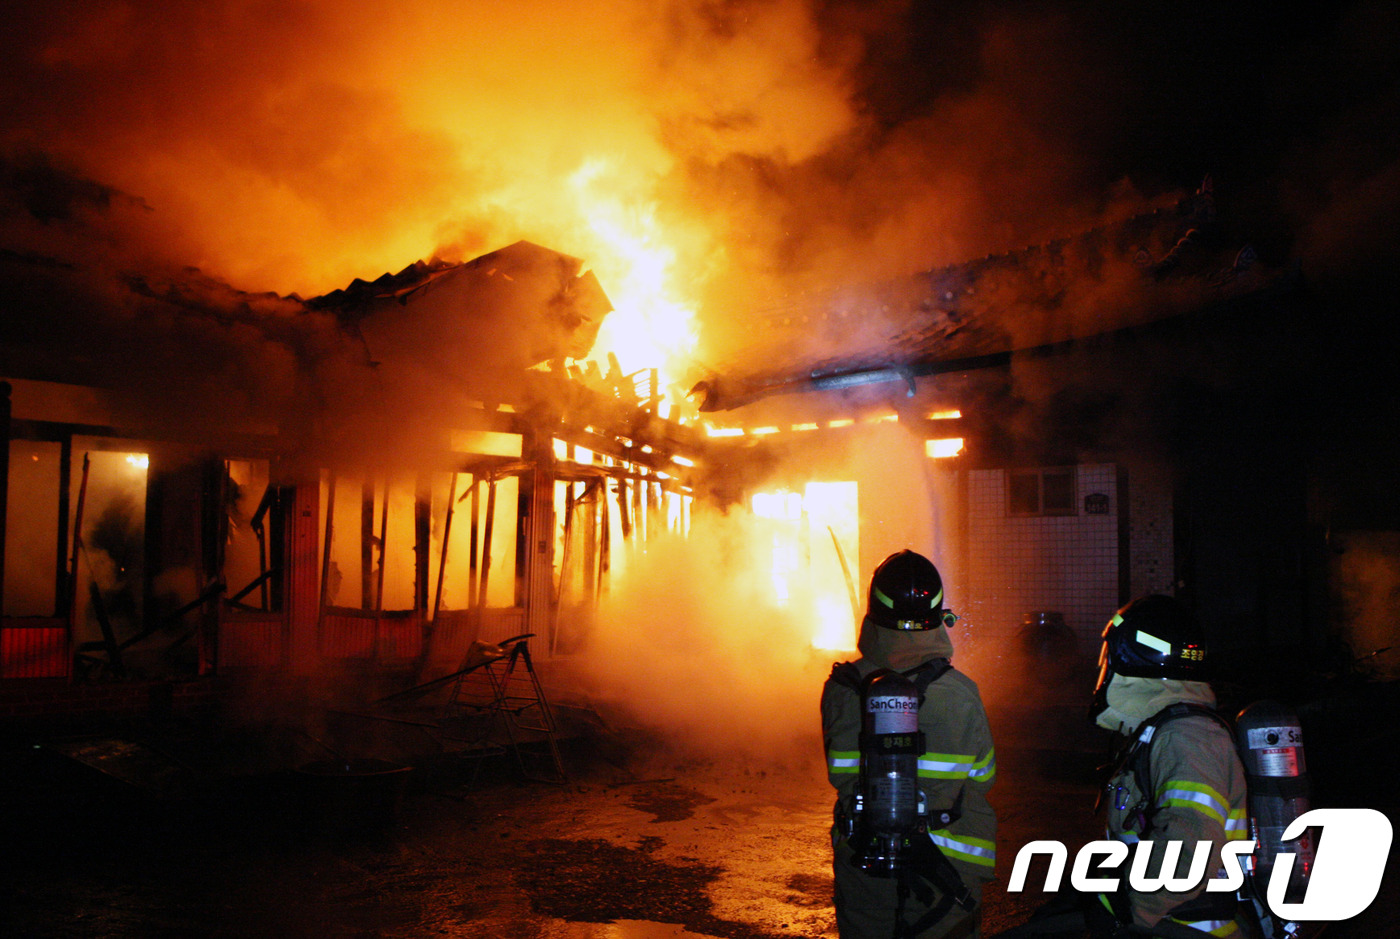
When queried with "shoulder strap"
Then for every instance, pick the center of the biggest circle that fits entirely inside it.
(1141, 749)
(846, 674)
(928, 673)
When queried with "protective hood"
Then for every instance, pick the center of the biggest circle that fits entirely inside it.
(1133, 700)
(901, 649)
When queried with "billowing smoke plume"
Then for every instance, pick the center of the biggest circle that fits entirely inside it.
(765, 144)
(696, 641)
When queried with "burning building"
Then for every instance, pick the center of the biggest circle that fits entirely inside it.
(381, 475)
(309, 502)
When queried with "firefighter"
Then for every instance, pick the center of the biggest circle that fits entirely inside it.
(1179, 777)
(931, 888)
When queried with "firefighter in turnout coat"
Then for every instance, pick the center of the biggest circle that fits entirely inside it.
(905, 631)
(1179, 779)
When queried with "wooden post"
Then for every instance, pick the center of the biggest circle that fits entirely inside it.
(71, 586)
(367, 543)
(300, 593)
(326, 554)
(639, 488)
(383, 547)
(475, 547)
(486, 548)
(624, 511)
(589, 561)
(446, 538)
(4, 484)
(422, 541)
(564, 560)
(539, 542)
(604, 539)
(65, 485)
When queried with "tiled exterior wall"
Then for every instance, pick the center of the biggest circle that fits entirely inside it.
(1019, 565)
(1151, 561)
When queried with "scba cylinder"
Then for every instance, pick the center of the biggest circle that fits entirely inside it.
(890, 748)
(1270, 742)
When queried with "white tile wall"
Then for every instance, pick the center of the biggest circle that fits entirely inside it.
(1068, 564)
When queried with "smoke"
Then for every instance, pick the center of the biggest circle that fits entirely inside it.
(693, 643)
(773, 144)
(696, 640)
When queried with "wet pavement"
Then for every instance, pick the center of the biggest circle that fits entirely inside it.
(641, 842)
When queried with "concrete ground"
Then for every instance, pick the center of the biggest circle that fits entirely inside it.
(641, 842)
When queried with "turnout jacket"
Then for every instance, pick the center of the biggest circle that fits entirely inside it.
(959, 763)
(1190, 788)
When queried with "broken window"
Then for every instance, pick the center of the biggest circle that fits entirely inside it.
(109, 496)
(252, 541)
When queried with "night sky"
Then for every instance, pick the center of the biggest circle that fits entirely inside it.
(292, 146)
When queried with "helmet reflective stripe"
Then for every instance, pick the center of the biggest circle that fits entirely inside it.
(1152, 642)
(880, 595)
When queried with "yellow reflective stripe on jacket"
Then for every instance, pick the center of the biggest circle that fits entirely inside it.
(1237, 826)
(985, 769)
(1196, 796)
(1210, 927)
(965, 847)
(840, 762)
(958, 766)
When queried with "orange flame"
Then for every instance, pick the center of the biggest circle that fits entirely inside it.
(650, 327)
(815, 540)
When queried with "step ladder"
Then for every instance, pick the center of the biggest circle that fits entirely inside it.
(497, 704)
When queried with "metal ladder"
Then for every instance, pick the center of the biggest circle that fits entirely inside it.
(497, 693)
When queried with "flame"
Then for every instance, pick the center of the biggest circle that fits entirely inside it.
(943, 448)
(834, 632)
(814, 547)
(632, 256)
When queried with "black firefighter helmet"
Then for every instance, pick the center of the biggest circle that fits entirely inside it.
(906, 592)
(1154, 636)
